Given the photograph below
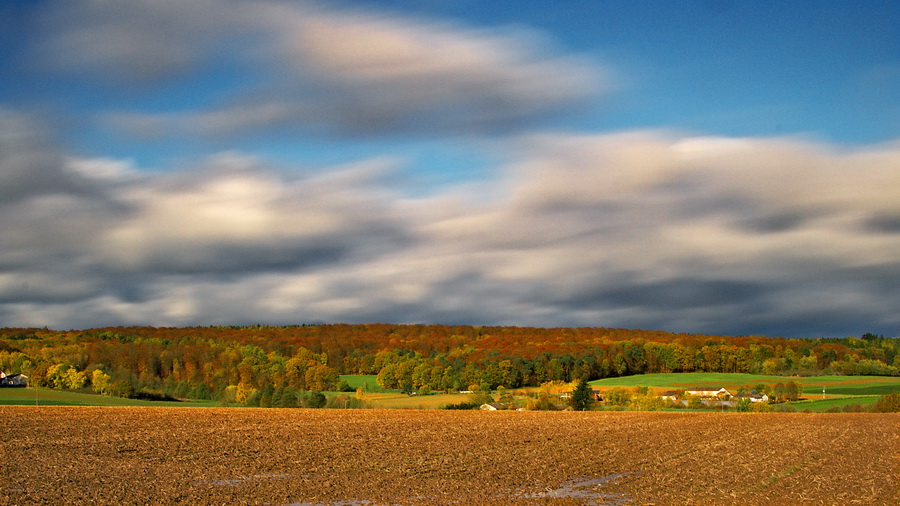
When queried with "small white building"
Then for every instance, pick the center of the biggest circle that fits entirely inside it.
(752, 397)
(670, 395)
(710, 393)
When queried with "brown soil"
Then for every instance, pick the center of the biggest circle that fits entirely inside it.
(74, 455)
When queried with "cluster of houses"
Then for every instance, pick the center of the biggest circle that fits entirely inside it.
(707, 396)
(714, 396)
(13, 380)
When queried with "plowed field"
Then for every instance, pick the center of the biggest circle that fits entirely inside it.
(107, 455)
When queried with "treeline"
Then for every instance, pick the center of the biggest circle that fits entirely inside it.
(245, 364)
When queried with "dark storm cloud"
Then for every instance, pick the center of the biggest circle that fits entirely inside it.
(885, 223)
(775, 222)
(669, 294)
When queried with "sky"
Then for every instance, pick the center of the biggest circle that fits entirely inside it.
(718, 167)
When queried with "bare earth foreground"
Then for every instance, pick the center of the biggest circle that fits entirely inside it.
(69, 455)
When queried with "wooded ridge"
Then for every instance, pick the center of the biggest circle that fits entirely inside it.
(231, 362)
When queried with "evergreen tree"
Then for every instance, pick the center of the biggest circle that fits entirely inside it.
(582, 396)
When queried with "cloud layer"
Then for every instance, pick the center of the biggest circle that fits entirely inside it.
(641, 229)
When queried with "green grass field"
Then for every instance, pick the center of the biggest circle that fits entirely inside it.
(851, 385)
(824, 404)
(366, 381)
(47, 397)
(840, 391)
(839, 385)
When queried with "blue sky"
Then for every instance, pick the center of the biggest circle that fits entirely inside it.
(718, 167)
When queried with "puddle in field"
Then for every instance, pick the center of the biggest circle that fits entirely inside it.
(586, 489)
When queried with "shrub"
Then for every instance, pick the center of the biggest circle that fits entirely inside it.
(760, 407)
(541, 403)
(123, 388)
(889, 403)
(314, 400)
(462, 405)
(617, 396)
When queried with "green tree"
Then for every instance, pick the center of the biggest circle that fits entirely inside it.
(482, 395)
(793, 390)
(315, 400)
(123, 388)
(582, 397)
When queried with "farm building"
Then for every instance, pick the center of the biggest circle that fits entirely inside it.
(13, 380)
(753, 397)
(710, 393)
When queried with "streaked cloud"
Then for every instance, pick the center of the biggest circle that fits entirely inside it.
(645, 229)
(326, 70)
(288, 142)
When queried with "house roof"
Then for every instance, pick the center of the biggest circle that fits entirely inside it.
(707, 391)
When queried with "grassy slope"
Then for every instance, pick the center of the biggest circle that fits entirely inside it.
(682, 380)
(46, 397)
(813, 404)
(839, 390)
(844, 385)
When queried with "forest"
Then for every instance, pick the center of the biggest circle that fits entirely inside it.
(237, 364)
